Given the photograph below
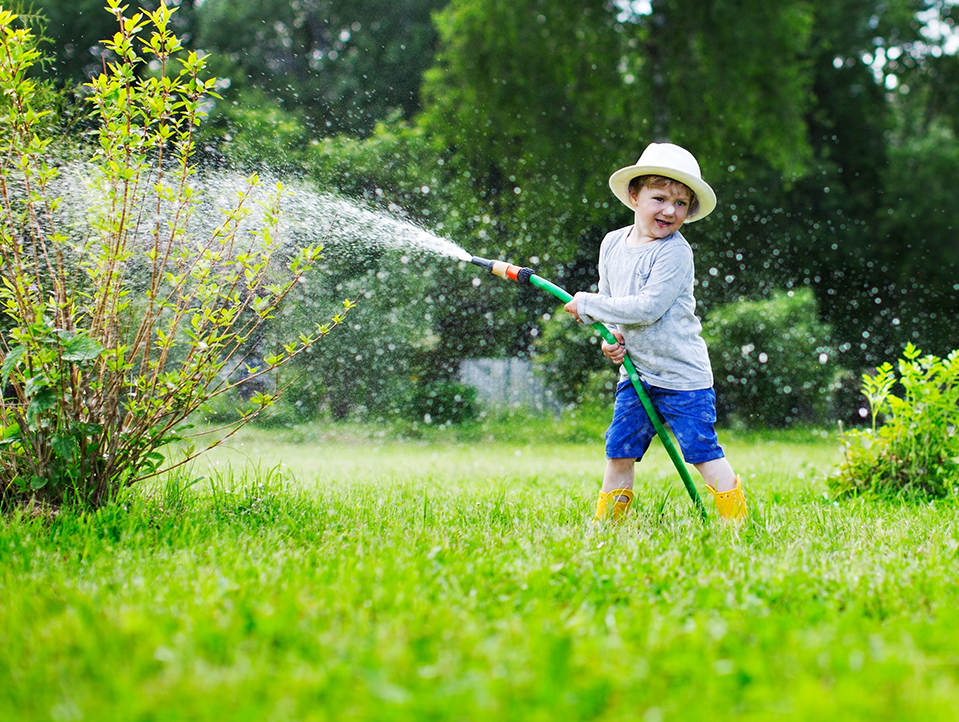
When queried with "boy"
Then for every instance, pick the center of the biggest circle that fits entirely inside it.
(646, 296)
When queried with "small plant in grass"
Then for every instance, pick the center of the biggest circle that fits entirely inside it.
(115, 330)
(912, 448)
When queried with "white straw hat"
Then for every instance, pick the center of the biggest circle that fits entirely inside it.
(669, 161)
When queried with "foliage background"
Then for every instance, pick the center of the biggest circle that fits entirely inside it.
(827, 128)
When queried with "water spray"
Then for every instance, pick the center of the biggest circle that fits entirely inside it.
(525, 275)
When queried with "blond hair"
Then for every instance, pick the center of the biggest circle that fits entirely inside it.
(659, 181)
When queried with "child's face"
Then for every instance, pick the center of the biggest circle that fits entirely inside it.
(660, 211)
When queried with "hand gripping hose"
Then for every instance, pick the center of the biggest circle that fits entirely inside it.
(526, 275)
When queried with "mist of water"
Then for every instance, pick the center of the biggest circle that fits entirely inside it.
(342, 225)
(308, 217)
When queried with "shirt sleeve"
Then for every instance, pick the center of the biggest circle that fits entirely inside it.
(670, 273)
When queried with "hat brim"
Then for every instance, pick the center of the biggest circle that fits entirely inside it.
(619, 184)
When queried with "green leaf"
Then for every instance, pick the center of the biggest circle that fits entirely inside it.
(37, 482)
(36, 384)
(44, 400)
(82, 348)
(152, 461)
(261, 400)
(64, 446)
(10, 362)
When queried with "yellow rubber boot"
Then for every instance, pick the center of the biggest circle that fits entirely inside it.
(732, 503)
(609, 507)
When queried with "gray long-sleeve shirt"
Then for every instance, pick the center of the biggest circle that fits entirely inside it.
(646, 292)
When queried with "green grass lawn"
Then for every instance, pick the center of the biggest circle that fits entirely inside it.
(311, 574)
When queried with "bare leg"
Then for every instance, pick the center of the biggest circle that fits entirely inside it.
(717, 473)
(620, 474)
(618, 479)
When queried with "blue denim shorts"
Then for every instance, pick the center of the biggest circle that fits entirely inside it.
(690, 415)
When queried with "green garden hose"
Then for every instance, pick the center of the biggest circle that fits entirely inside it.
(520, 274)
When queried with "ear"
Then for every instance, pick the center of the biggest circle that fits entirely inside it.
(633, 196)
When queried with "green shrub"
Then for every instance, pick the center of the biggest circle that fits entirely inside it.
(569, 359)
(252, 131)
(392, 166)
(914, 451)
(443, 402)
(772, 360)
(121, 326)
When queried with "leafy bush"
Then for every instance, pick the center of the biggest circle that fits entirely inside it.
(252, 131)
(123, 323)
(444, 402)
(772, 360)
(569, 360)
(915, 449)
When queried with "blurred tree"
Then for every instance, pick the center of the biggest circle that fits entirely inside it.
(789, 107)
(542, 100)
(77, 27)
(827, 129)
(250, 130)
(731, 79)
(526, 102)
(532, 105)
(879, 229)
(343, 63)
(568, 360)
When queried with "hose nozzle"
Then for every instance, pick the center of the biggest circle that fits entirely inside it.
(504, 270)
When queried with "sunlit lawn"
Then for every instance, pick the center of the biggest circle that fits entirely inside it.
(313, 574)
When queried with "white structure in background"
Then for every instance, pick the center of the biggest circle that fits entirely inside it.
(506, 382)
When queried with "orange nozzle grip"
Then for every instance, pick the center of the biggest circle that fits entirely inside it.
(505, 270)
